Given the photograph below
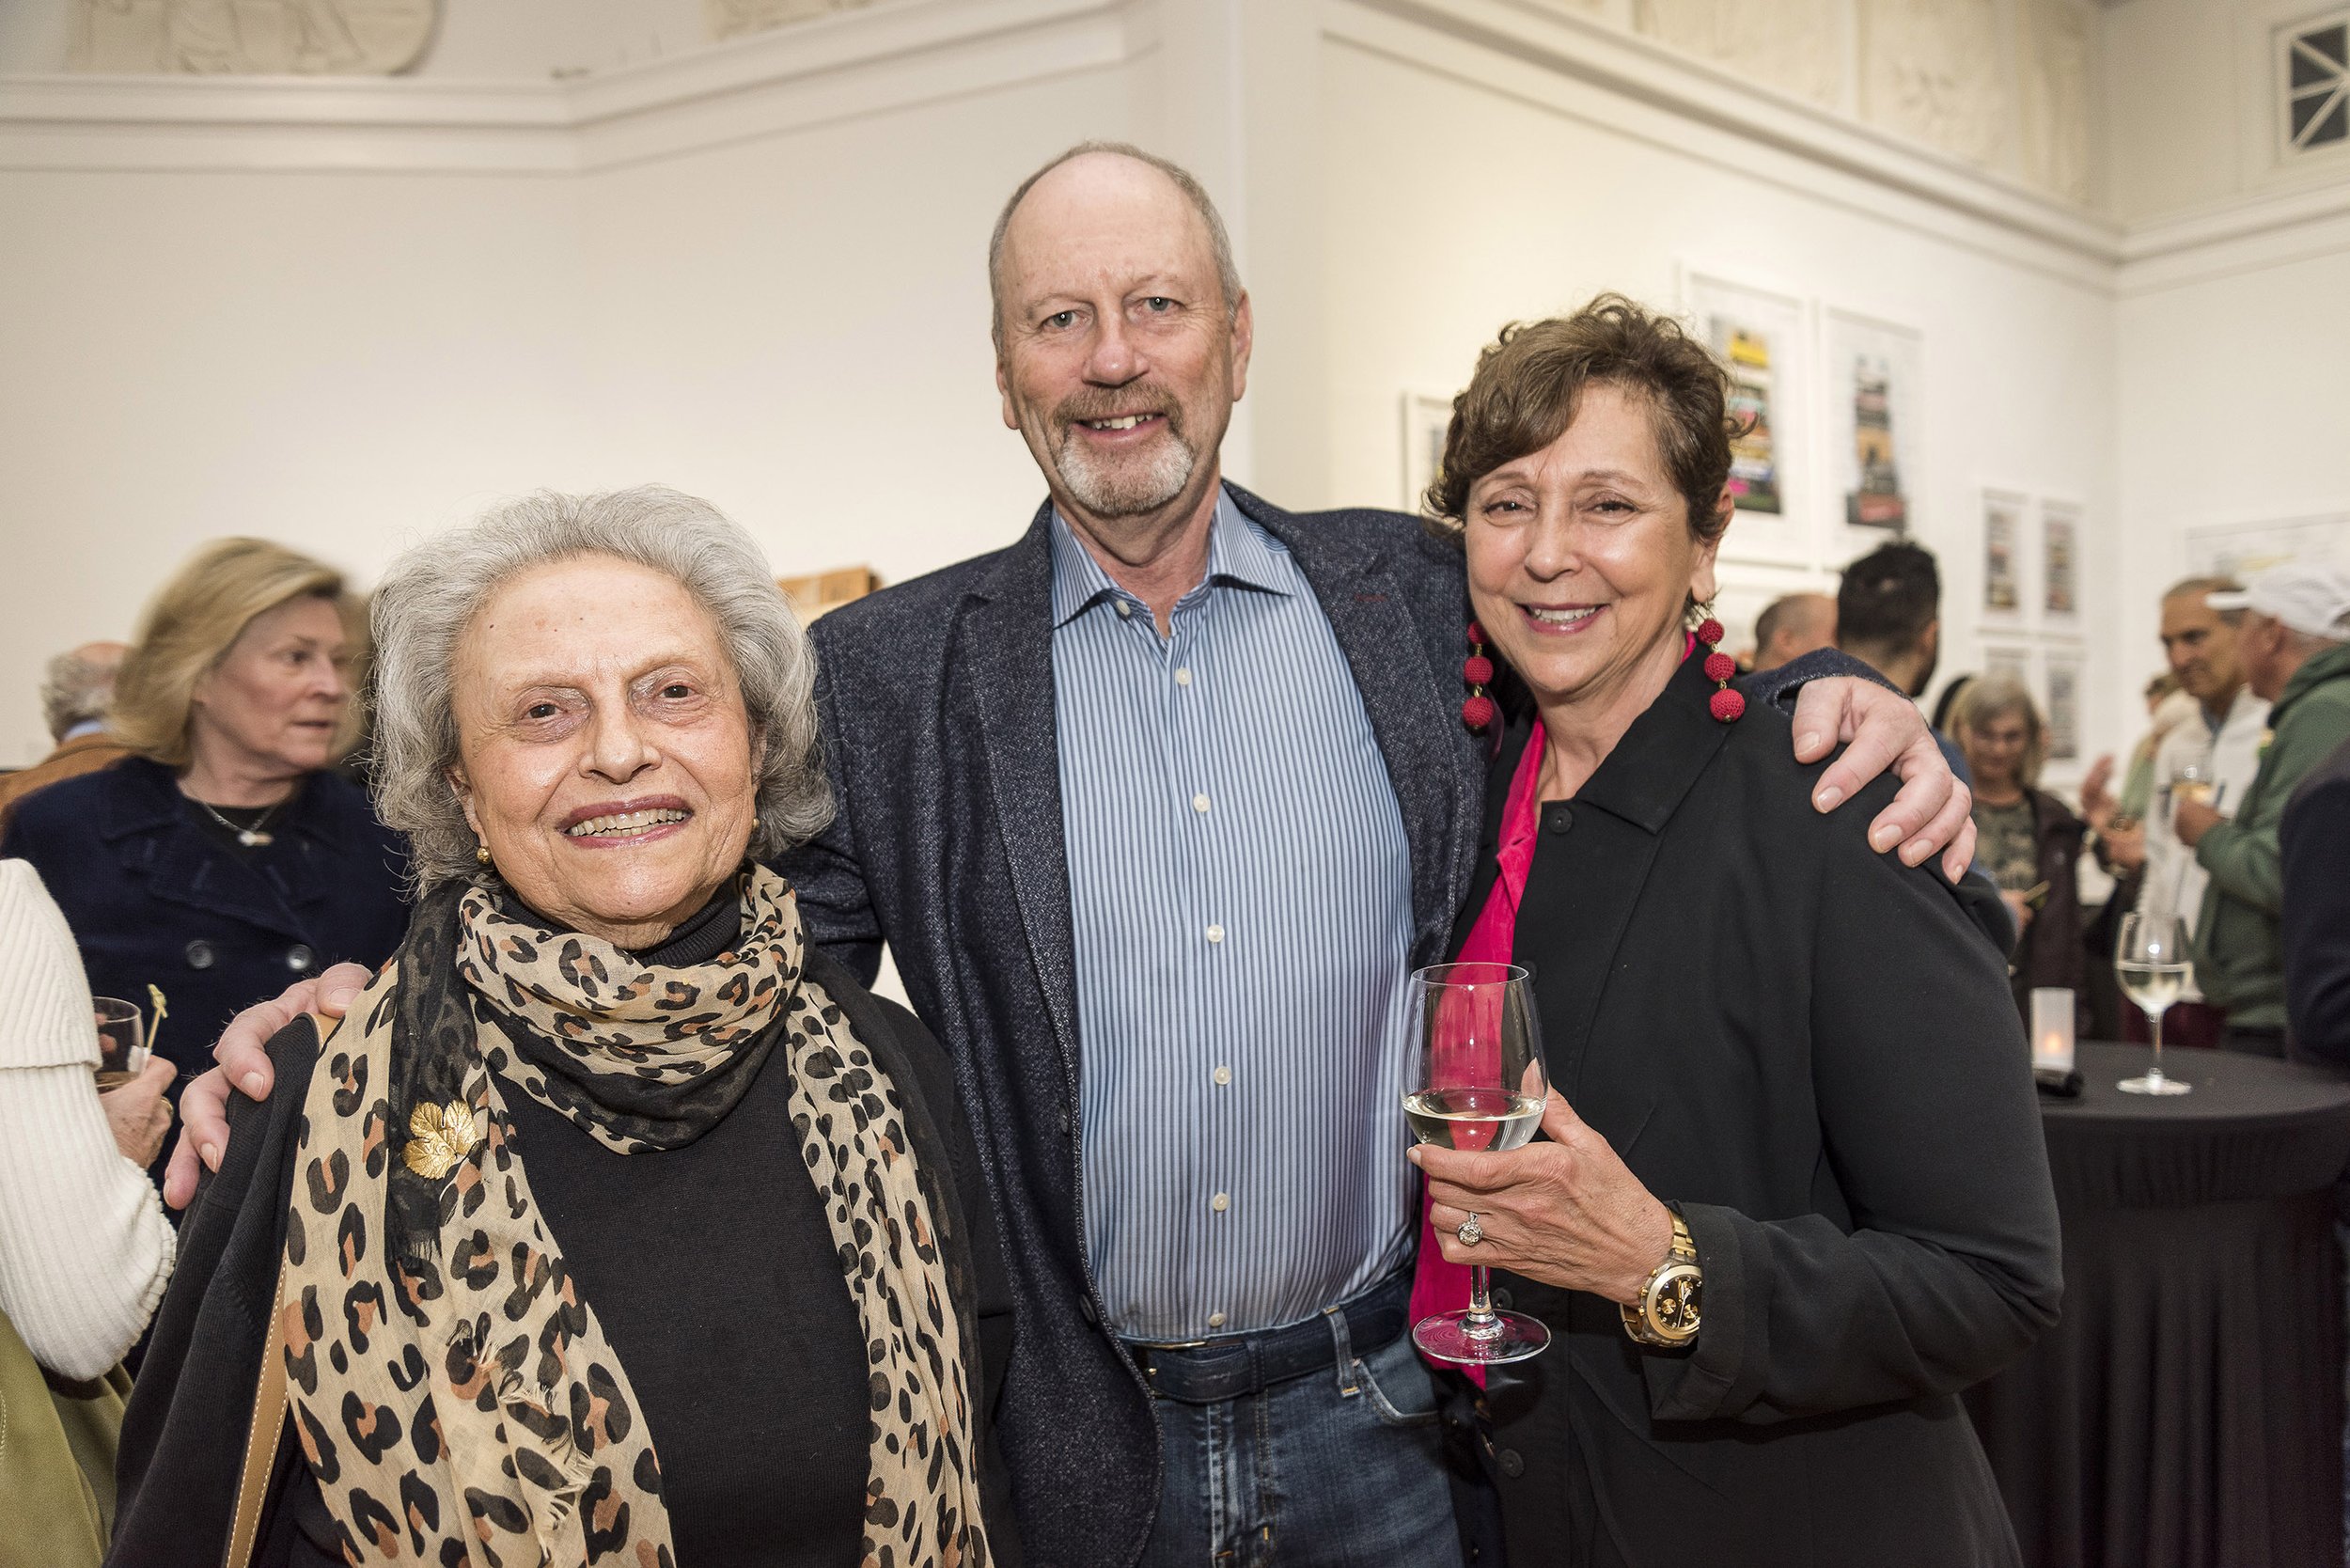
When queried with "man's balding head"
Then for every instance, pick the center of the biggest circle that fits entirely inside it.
(1121, 343)
(1103, 176)
(78, 684)
(1792, 626)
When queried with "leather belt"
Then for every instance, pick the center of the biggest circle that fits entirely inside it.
(1208, 1371)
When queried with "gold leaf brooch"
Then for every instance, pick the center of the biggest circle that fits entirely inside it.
(443, 1136)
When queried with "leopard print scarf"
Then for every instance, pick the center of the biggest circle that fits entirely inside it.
(454, 1395)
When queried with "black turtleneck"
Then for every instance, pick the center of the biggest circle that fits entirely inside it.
(714, 1276)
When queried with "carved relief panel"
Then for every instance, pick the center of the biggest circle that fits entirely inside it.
(1797, 46)
(728, 18)
(2052, 71)
(1930, 69)
(353, 38)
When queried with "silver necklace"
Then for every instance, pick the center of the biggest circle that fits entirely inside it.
(251, 838)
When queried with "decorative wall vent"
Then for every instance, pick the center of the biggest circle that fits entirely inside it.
(2313, 83)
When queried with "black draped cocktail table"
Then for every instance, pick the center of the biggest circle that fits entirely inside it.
(2188, 1410)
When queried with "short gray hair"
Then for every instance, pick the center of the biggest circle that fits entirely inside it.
(1226, 272)
(75, 689)
(433, 592)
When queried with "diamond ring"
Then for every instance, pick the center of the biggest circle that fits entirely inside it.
(1470, 1231)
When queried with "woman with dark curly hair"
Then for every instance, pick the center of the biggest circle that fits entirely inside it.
(1792, 1195)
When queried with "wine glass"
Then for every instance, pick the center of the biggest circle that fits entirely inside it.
(121, 1039)
(1479, 1086)
(2150, 962)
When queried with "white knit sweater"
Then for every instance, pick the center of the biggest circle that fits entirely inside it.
(85, 1249)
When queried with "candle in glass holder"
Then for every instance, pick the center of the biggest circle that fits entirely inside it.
(2052, 1028)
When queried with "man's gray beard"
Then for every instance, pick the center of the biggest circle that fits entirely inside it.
(1126, 489)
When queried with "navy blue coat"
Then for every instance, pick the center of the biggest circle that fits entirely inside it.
(156, 898)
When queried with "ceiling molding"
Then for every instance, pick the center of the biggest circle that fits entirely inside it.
(2247, 234)
(854, 63)
(1527, 35)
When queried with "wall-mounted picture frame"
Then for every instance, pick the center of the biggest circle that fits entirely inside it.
(2003, 554)
(1426, 418)
(2061, 562)
(1873, 374)
(1764, 337)
(2062, 702)
(2008, 660)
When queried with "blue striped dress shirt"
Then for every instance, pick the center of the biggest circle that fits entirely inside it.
(1241, 891)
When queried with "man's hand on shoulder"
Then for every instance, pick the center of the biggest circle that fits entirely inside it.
(242, 1060)
(1880, 729)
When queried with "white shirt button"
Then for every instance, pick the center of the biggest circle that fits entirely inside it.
(1216, 933)
(1125, 611)
(1182, 676)
(1199, 802)
(1215, 1320)
(1222, 1075)
(1220, 1202)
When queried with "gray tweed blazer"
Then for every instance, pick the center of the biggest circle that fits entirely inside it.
(937, 710)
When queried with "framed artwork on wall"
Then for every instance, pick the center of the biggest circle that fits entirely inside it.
(1874, 374)
(2238, 549)
(1425, 420)
(2002, 554)
(2060, 562)
(2012, 661)
(2064, 700)
(1761, 336)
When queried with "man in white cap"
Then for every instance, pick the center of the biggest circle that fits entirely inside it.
(2295, 645)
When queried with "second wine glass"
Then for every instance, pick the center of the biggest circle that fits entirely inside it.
(1479, 1085)
(2150, 960)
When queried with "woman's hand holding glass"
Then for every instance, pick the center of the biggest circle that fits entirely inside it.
(1563, 1210)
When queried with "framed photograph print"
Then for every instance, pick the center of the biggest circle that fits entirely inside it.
(2013, 662)
(1874, 372)
(2064, 705)
(2002, 554)
(2060, 562)
(1762, 337)
(1425, 420)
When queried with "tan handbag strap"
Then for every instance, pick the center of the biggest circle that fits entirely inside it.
(269, 1407)
(260, 1442)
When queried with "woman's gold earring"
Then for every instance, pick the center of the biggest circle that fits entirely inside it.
(481, 853)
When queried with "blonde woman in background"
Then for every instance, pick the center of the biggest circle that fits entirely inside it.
(223, 858)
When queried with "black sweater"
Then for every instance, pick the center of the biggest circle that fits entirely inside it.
(709, 1267)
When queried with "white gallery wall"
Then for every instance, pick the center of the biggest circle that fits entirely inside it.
(578, 244)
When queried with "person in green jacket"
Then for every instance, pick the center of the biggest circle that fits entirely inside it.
(2295, 643)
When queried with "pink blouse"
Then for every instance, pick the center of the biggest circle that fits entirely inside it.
(1438, 1286)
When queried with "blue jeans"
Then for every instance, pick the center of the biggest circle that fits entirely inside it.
(1336, 1468)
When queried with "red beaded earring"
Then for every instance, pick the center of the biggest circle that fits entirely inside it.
(1477, 711)
(1725, 704)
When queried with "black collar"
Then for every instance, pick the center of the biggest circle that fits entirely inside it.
(1643, 780)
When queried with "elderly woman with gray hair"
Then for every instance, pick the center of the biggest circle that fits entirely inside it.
(614, 1223)
(2028, 841)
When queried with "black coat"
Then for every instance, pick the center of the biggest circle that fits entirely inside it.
(1811, 1050)
(2313, 925)
(156, 898)
(2051, 949)
(937, 705)
(183, 1436)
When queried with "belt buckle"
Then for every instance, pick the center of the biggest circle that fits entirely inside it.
(1143, 1348)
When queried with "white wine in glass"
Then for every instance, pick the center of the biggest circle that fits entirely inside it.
(1479, 1086)
(2150, 962)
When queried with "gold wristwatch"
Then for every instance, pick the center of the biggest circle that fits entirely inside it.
(1668, 1311)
